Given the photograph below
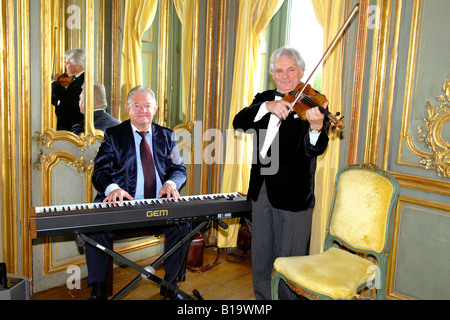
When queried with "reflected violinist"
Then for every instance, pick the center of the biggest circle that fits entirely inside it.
(282, 200)
(66, 90)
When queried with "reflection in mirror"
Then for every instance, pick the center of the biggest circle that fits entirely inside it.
(188, 12)
(66, 23)
(102, 119)
(175, 112)
(66, 90)
(170, 111)
(71, 35)
(68, 61)
(178, 59)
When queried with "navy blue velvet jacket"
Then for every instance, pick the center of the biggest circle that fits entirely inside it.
(291, 186)
(116, 159)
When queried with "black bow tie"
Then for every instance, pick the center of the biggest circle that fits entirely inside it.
(279, 94)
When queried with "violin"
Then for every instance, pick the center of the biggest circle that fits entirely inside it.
(64, 79)
(303, 98)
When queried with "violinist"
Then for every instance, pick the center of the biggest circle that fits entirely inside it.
(66, 90)
(282, 199)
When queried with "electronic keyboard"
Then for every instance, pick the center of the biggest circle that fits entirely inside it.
(135, 214)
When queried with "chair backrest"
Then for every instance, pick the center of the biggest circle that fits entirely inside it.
(362, 212)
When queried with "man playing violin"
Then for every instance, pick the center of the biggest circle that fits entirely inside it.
(282, 199)
(66, 95)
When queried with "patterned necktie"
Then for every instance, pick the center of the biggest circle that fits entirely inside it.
(148, 167)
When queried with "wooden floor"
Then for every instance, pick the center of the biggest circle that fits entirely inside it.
(227, 281)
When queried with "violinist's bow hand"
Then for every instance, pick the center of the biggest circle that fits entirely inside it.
(280, 108)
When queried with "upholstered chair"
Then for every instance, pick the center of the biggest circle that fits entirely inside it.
(357, 241)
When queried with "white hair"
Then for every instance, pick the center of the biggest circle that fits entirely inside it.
(76, 57)
(139, 89)
(289, 52)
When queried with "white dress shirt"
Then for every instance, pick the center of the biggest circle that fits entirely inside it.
(274, 126)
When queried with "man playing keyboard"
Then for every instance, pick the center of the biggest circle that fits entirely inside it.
(137, 159)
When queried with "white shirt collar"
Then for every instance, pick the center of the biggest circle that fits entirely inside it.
(78, 74)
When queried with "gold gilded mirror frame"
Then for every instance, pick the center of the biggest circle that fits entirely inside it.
(91, 134)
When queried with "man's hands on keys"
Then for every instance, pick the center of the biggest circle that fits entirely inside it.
(170, 191)
(119, 195)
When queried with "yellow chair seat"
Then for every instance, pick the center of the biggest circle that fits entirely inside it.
(335, 273)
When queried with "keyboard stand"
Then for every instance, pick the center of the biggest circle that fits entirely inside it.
(145, 273)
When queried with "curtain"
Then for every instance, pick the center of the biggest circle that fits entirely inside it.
(139, 15)
(185, 12)
(253, 18)
(330, 15)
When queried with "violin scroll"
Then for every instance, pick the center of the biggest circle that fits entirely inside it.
(337, 122)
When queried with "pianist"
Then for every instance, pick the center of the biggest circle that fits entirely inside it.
(126, 170)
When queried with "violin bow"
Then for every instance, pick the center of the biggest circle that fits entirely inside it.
(330, 47)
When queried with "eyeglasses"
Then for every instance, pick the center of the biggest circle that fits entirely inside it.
(137, 106)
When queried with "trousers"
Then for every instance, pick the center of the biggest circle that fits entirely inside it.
(98, 261)
(276, 233)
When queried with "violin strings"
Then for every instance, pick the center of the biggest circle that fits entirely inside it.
(308, 101)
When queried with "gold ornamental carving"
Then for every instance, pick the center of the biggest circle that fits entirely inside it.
(44, 142)
(432, 134)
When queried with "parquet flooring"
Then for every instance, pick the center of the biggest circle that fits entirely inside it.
(227, 281)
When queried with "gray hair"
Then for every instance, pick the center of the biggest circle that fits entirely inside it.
(76, 57)
(99, 96)
(289, 52)
(139, 89)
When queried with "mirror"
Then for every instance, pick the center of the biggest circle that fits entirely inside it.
(97, 27)
(74, 62)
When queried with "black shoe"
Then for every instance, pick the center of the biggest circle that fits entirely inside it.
(98, 291)
(181, 278)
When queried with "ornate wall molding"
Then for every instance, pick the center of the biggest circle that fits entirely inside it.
(45, 141)
(432, 134)
(416, 141)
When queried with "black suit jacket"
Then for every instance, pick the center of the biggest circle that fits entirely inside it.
(116, 159)
(291, 185)
(102, 121)
(66, 102)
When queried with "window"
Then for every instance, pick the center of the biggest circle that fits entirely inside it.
(306, 35)
(294, 25)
